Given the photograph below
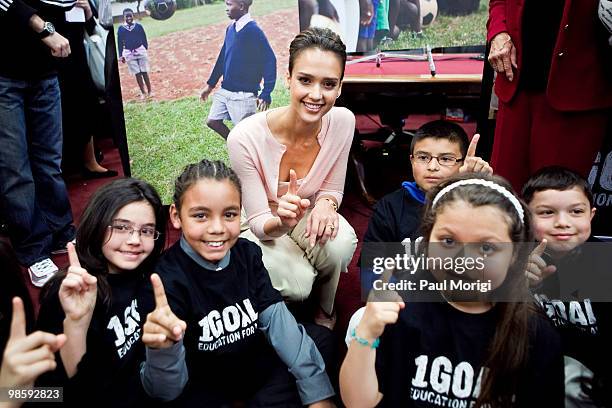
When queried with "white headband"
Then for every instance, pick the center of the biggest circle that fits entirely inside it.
(486, 183)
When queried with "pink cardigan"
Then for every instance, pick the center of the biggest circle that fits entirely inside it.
(255, 155)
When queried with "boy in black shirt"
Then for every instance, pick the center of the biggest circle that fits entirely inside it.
(569, 272)
(439, 149)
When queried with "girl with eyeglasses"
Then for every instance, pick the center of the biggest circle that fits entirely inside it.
(101, 301)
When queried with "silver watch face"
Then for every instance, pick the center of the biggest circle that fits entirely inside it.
(48, 27)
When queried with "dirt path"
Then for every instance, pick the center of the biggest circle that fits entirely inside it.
(181, 62)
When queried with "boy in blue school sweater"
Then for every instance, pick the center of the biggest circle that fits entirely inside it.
(245, 58)
(133, 47)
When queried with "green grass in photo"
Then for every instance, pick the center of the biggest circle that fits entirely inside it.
(200, 16)
(165, 136)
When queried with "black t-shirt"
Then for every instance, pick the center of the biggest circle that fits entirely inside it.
(569, 299)
(109, 372)
(433, 357)
(221, 309)
(396, 216)
(541, 20)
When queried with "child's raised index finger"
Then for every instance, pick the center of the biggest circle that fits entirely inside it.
(73, 258)
(471, 152)
(158, 290)
(292, 182)
(18, 322)
(539, 250)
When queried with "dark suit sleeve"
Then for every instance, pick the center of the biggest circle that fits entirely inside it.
(16, 10)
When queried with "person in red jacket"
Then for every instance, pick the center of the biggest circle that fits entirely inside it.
(555, 98)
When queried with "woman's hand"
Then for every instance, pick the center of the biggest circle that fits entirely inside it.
(27, 357)
(291, 207)
(78, 291)
(84, 4)
(502, 55)
(162, 328)
(322, 223)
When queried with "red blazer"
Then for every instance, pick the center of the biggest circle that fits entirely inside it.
(581, 71)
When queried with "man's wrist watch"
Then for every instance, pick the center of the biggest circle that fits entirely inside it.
(47, 30)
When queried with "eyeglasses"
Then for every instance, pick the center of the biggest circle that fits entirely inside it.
(127, 231)
(446, 160)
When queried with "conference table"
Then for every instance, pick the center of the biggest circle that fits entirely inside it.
(405, 82)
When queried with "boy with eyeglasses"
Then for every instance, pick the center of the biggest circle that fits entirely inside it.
(438, 150)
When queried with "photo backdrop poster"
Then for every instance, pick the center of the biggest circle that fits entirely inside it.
(383, 25)
(167, 129)
(411, 62)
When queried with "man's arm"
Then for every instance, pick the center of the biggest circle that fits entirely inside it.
(26, 17)
(16, 10)
(59, 46)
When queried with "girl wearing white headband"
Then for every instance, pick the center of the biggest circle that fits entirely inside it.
(460, 351)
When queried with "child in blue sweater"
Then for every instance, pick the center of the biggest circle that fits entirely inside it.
(245, 58)
(133, 48)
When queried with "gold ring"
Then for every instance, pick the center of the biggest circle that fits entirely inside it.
(331, 226)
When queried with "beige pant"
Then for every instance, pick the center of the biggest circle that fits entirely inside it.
(294, 266)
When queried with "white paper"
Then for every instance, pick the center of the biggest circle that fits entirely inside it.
(75, 15)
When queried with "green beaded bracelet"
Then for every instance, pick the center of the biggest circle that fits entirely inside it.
(363, 341)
